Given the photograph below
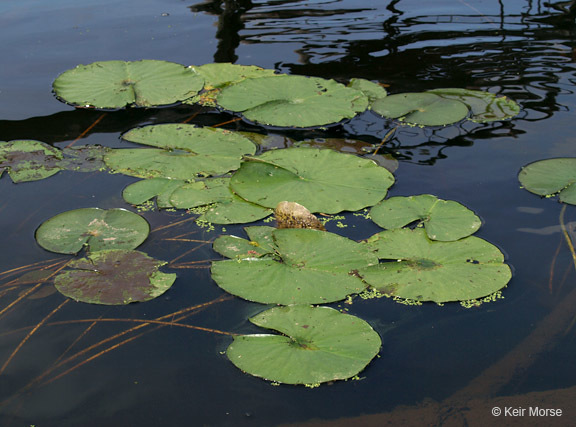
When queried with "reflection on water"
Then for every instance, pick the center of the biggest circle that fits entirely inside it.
(523, 49)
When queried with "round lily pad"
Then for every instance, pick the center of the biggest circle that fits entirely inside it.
(308, 267)
(114, 277)
(142, 191)
(551, 177)
(426, 270)
(426, 109)
(235, 211)
(485, 106)
(372, 90)
(318, 344)
(116, 84)
(322, 180)
(98, 229)
(295, 101)
(443, 220)
(28, 160)
(184, 152)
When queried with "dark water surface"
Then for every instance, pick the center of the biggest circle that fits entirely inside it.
(176, 376)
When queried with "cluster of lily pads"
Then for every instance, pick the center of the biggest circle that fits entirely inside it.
(426, 252)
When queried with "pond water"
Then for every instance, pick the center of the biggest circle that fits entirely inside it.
(438, 364)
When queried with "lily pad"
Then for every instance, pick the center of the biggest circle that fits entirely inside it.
(201, 193)
(322, 180)
(97, 229)
(308, 267)
(116, 84)
(28, 160)
(184, 152)
(235, 211)
(485, 106)
(114, 277)
(142, 191)
(426, 270)
(443, 220)
(87, 158)
(294, 101)
(372, 90)
(318, 344)
(551, 177)
(426, 109)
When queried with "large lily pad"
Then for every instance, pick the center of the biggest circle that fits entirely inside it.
(98, 229)
(309, 267)
(426, 270)
(116, 84)
(551, 177)
(295, 101)
(485, 106)
(426, 109)
(235, 211)
(235, 247)
(28, 160)
(322, 180)
(114, 277)
(318, 344)
(443, 220)
(184, 152)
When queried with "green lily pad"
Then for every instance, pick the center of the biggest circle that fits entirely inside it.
(551, 177)
(261, 243)
(309, 267)
(372, 90)
(116, 84)
(201, 193)
(443, 220)
(427, 270)
(318, 344)
(322, 180)
(235, 211)
(142, 191)
(98, 229)
(185, 151)
(295, 101)
(426, 109)
(114, 277)
(28, 160)
(485, 106)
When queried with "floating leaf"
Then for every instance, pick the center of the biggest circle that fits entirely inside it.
(310, 267)
(87, 158)
(261, 243)
(98, 229)
(114, 277)
(201, 193)
(485, 106)
(27, 160)
(372, 90)
(295, 101)
(184, 152)
(551, 177)
(318, 344)
(146, 189)
(426, 270)
(235, 211)
(443, 219)
(426, 109)
(322, 180)
(116, 84)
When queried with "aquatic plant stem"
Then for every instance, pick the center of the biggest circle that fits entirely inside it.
(237, 119)
(29, 335)
(88, 129)
(384, 140)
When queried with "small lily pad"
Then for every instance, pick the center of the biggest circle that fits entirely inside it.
(443, 220)
(114, 277)
(308, 267)
(116, 84)
(372, 90)
(426, 270)
(142, 191)
(28, 160)
(485, 106)
(425, 109)
(294, 101)
(318, 344)
(184, 152)
(235, 211)
(322, 180)
(551, 177)
(97, 229)
(87, 158)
